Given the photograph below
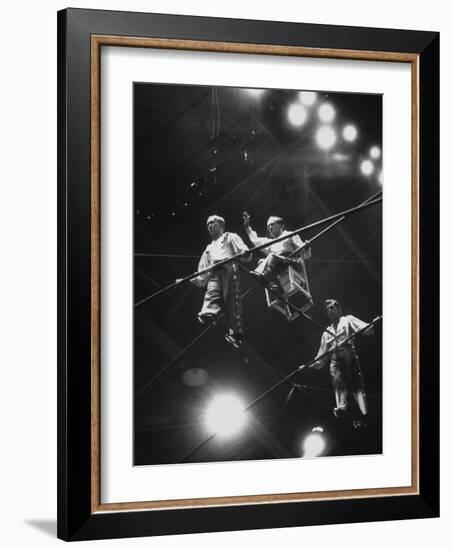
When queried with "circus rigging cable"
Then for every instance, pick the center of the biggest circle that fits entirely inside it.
(333, 218)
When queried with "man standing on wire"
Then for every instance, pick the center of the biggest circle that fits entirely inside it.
(222, 284)
(343, 361)
(279, 255)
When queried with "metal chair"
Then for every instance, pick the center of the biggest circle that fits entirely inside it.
(296, 289)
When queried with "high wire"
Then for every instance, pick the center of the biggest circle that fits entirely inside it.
(156, 377)
(340, 216)
(282, 298)
(287, 302)
(333, 224)
(284, 379)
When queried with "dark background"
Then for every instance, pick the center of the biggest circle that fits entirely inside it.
(200, 151)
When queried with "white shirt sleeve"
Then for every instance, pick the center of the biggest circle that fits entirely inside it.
(323, 348)
(357, 324)
(305, 253)
(237, 244)
(238, 247)
(204, 262)
(254, 238)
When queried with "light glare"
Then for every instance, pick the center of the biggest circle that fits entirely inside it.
(326, 137)
(308, 98)
(367, 167)
(349, 132)
(314, 444)
(375, 152)
(326, 112)
(297, 114)
(225, 416)
(254, 92)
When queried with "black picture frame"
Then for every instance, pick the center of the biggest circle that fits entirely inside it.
(78, 518)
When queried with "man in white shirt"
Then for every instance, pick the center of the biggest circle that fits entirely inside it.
(278, 255)
(222, 285)
(343, 361)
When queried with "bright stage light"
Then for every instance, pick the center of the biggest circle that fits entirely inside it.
(225, 415)
(375, 152)
(254, 92)
(326, 112)
(367, 167)
(297, 114)
(349, 132)
(314, 444)
(308, 98)
(380, 177)
(326, 137)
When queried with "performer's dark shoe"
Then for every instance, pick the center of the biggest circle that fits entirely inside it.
(207, 319)
(340, 412)
(234, 338)
(272, 286)
(259, 276)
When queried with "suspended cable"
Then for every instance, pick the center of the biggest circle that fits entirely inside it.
(154, 378)
(299, 249)
(282, 298)
(174, 360)
(285, 300)
(284, 379)
(333, 224)
(340, 215)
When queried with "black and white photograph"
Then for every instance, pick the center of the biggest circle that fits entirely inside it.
(257, 269)
(226, 265)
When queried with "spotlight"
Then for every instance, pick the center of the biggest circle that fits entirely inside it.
(375, 152)
(326, 137)
(254, 92)
(380, 177)
(314, 444)
(297, 114)
(225, 415)
(308, 98)
(367, 167)
(349, 132)
(326, 112)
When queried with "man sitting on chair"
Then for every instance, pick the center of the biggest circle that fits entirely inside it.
(278, 255)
